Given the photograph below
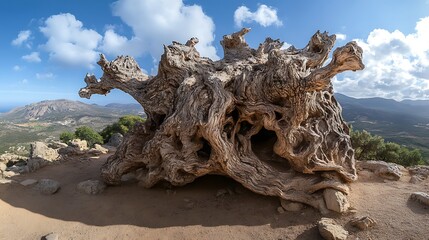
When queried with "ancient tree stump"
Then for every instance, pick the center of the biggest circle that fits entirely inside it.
(265, 117)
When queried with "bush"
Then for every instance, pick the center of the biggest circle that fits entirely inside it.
(66, 137)
(373, 147)
(123, 125)
(88, 134)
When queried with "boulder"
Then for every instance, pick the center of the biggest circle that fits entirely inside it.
(79, 144)
(330, 230)
(2, 167)
(418, 173)
(6, 157)
(34, 164)
(420, 197)
(115, 140)
(42, 151)
(47, 186)
(100, 148)
(363, 223)
(390, 171)
(291, 206)
(336, 200)
(91, 187)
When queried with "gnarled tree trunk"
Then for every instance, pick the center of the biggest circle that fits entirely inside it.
(266, 117)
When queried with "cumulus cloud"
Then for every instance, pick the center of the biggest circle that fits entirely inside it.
(32, 57)
(264, 15)
(69, 43)
(341, 36)
(22, 38)
(16, 68)
(157, 22)
(397, 65)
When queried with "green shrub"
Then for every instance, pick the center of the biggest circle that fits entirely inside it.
(88, 134)
(373, 147)
(122, 126)
(66, 137)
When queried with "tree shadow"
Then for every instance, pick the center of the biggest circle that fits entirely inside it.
(209, 201)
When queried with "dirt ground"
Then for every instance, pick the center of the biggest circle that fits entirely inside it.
(194, 211)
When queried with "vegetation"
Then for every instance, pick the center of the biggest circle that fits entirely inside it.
(122, 126)
(88, 134)
(67, 136)
(373, 147)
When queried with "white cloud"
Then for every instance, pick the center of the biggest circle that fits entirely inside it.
(157, 22)
(24, 81)
(32, 57)
(16, 68)
(45, 75)
(264, 15)
(396, 65)
(22, 37)
(341, 36)
(69, 43)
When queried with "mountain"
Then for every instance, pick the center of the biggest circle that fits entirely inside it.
(405, 122)
(47, 119)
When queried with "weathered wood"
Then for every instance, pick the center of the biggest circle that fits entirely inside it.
(265, 117)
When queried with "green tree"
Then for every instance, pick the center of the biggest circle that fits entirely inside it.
(66, 137)
(373, 147)
(88, 134)
(123, 125)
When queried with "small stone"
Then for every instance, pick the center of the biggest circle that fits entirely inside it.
(336, 200)
(280, 210)
(28, 182)
(170, 192)
(51, 236)
(92, 187)
(363, 223)
(330, 230)
(47, 186)
(291, 206)
(420, 197)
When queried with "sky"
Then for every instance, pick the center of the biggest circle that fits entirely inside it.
(48, 46)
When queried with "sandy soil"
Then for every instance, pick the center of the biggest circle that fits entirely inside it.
(193, 211)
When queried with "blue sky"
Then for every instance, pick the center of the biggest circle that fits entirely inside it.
(48, 46)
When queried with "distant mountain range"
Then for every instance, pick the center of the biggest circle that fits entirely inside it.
(47, 119)
(405, 122)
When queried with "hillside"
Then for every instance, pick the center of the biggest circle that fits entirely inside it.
(46, 119)
(405, 122)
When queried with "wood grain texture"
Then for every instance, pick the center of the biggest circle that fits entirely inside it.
(265, 117)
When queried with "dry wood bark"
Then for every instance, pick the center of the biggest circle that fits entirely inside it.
(265, 117)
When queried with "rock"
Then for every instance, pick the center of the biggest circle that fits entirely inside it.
(416, 179)
(100, 148)
(51, 236)
(5, 181)
(280, 210)
(28, 182)
(47, 186)
(363, 223)
(390, 171)
(57, 145)
(41, 150)
(330, 230)
(420, 197)
(71, 151)
(2, 167)
(79, 144)
(18, 169)
(291, 206)
(336, 200)
(91, 187)
(9, 174)
(115, 140)
(6, 157)
(34, 164)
